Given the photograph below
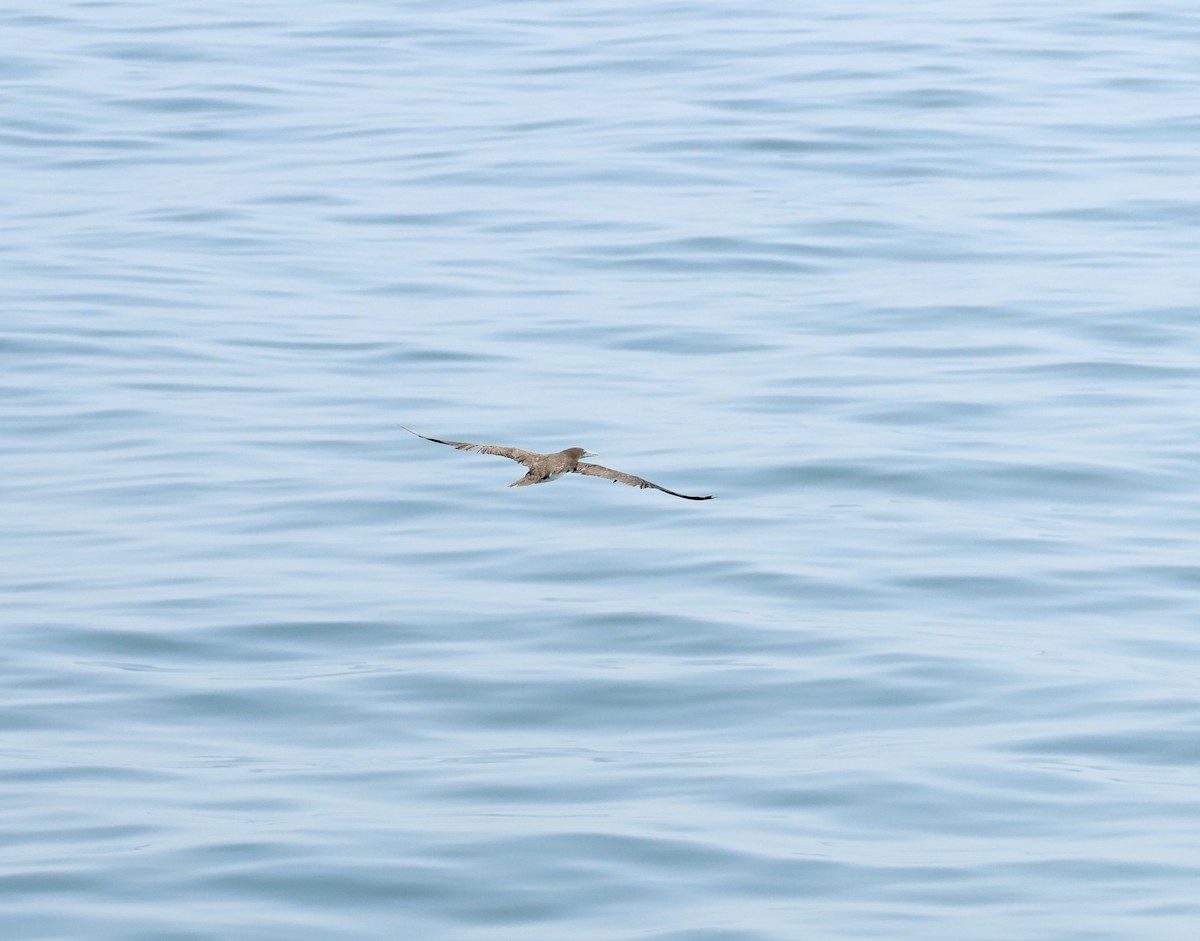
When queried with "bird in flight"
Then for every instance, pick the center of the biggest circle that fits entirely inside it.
(546, 467)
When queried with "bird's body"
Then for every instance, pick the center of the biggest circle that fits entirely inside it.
(543, 468)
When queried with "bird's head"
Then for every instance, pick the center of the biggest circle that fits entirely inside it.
(578, 454)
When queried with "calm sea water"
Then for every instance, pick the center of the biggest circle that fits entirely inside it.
(911, 288)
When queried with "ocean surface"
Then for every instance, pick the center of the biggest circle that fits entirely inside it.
(912, 289)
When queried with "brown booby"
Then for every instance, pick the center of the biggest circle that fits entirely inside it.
(546, 467)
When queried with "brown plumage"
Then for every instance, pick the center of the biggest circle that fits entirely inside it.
(546, 467)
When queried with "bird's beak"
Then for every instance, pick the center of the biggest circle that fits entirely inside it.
(590, 454)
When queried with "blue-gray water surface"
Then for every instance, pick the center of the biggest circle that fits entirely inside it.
(911, 288)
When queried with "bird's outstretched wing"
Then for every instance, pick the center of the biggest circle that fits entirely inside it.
(598, 470)
(520, 455)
